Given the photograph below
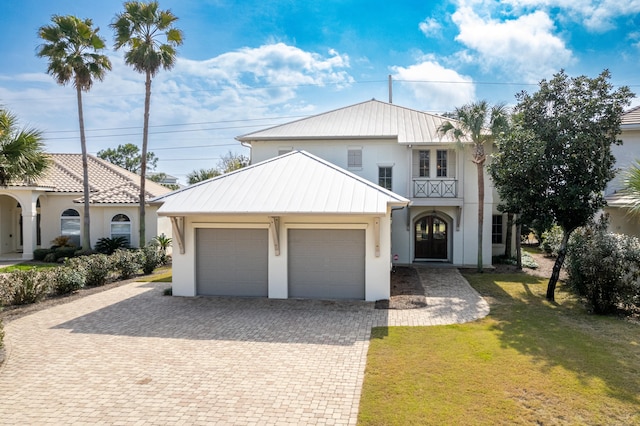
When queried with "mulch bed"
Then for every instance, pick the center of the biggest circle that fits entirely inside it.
(406, 290)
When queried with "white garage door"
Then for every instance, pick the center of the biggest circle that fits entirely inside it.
(232, 262)
(326, 263)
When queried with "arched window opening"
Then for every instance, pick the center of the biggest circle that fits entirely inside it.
(121, 227)
(70, 226)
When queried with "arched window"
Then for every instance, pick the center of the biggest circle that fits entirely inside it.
(70, 226)
(121, 227)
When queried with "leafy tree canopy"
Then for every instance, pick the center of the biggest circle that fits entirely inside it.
(128, 157)
(555, 162)
(228, 163)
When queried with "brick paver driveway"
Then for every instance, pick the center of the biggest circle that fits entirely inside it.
(132, 356)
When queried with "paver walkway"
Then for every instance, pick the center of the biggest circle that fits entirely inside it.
(131, 356)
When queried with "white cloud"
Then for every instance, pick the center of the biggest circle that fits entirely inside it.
(525, 46)
(430, 27)
(435, 87)
(595, 15)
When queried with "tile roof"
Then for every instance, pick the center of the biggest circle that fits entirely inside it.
(108, 183)
(370, 119)
(296, 182)
(632, 116)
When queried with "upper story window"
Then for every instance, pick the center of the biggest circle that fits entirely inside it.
(496, 229)
(284, 149)
(121, 227)
(423, 163)
(70, 226)
(354, 158)
(384, 177)
(441, 163)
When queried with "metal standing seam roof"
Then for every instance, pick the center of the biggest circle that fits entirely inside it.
(296, 182)
(370, 119)
(108, 183)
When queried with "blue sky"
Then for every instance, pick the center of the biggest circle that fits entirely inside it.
(246, 65)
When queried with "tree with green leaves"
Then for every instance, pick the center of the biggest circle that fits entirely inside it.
(478, 123)
(22, 156)
(72, 47)
(554, 165)
(201, 175)
(231, 162)
(150, 39)
(160, 178)
(128, 157)
(631, 180)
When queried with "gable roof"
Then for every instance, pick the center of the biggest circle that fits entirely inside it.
(370, 119)
(296, 182)
(108, 183)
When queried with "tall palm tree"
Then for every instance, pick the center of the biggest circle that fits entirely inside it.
(140, 29)
(22, 156)
(478, 123)
(72, 45)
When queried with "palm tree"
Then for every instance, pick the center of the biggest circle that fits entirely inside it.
(72, 46)
(202, 174)
(480, 124)
(631, 181)
(140, 28)
(22, 156)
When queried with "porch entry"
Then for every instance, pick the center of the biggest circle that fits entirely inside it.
(430, 234)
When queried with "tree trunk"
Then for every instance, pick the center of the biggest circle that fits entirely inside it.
(143, 160)
(555, 275)
(509, 236)
(518, 246)
(86, 230)
(480, 169)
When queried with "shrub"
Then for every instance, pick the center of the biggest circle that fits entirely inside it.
(50, 257)
(96, 267)
(110, 245)
(164, 243)
(64, 252)
(29, 286)
(66, 279)
(39, 254)
(528, 261)
(1, 334)
(62, 241)
(126, 262)
(551, 240)
(7, 289)
(151, 257)
(604, 268)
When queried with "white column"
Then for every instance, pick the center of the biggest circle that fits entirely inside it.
(29, 224)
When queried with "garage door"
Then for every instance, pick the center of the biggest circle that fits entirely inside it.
(326, 263)
(232, 262)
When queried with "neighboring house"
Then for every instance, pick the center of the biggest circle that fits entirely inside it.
(291, 226)
(33, 214)
(401, 150)
(626, 154)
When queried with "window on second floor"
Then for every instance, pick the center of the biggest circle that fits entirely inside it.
(384, 177)
(496, 229)
(423, 163)
(441, 163)
(354, 158)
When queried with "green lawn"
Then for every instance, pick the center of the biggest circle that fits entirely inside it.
(528, 362)
(28, 265)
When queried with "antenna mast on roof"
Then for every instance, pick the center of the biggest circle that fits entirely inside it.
(390, 90)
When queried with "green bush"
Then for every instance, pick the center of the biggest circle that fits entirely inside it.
(39, 254)
(110, 245)
(64, 252)
(1, 334)
(551, 240)
(29, 286)
(96, 267)
(604, 268)
(126, 262)
(7, 289)
(50, 257)
(152, 256)
(66, 279)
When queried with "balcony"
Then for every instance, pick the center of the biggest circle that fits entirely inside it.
(435, 188)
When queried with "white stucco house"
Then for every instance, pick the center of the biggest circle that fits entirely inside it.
(400, 149)
(292, 226)
(32, 214)
(302, 221)
(626, 154)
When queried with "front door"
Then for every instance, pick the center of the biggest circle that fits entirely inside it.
(431, 238)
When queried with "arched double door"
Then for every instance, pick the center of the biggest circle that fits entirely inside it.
(431, 238)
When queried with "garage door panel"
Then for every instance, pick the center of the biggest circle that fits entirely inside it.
(327, 263)
(232, 262)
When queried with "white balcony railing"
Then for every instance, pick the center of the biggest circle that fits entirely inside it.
(435, 188)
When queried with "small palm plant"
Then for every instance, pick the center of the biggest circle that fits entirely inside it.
(163, 243)
(110, 245)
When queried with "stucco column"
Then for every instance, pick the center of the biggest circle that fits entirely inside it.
(29, 232)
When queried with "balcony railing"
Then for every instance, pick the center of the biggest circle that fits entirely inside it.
(435, 188)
